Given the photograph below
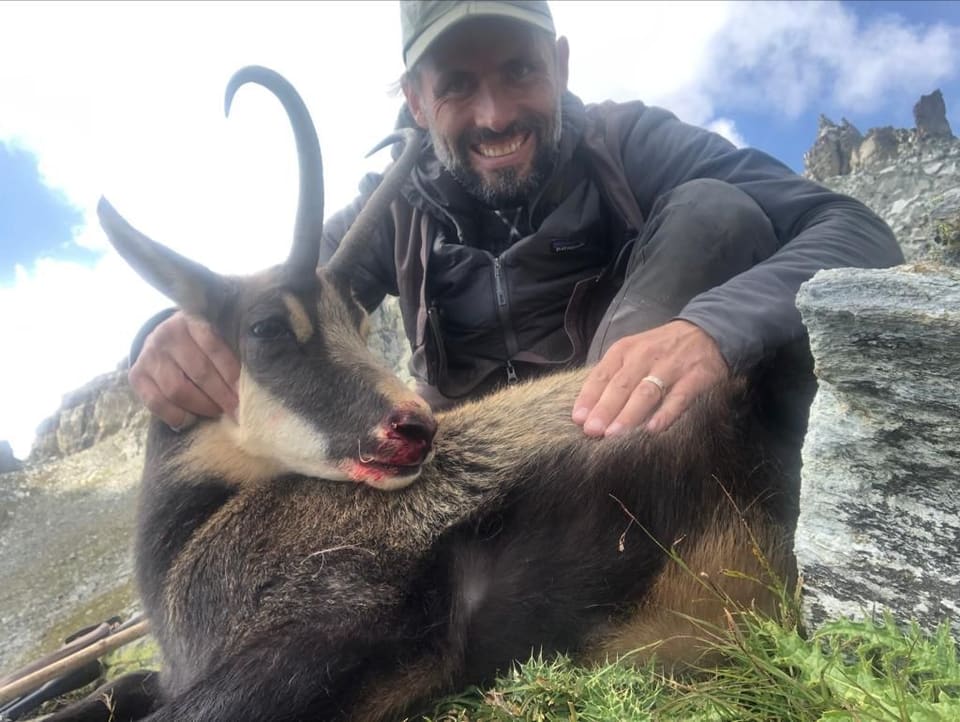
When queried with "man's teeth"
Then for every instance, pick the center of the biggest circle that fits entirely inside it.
(495, 151)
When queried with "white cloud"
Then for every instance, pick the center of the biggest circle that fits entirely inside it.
(63, 325)
(728, 129)
(791, 57)
(125, 100)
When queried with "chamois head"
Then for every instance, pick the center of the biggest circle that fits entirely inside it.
(313, 400)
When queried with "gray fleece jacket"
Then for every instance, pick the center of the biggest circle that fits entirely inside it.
(477, 306)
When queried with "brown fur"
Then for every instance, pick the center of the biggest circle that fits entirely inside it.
(299, 321)
(359, 550)
(737, 564)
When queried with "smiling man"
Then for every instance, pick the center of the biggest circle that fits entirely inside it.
(538, 233)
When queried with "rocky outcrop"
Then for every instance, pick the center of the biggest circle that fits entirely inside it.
(8, 462)
(880, 513)
(930, 115)
(832, 150)
(910, 177)
(90, 414)
(880, 147)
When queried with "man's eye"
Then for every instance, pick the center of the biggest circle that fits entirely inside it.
(271, 329)
(457, 85)
(519, 70)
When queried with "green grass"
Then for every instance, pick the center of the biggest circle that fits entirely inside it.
(849, 670)
(857, 670)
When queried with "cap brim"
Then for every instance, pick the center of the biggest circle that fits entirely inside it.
(469, 10)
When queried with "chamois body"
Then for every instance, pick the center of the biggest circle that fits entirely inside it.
(336, 553)
(298, 598)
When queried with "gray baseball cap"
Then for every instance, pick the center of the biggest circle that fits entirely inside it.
(423, 21)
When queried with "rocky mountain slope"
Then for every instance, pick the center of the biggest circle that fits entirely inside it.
(67, 513)
(910, 177)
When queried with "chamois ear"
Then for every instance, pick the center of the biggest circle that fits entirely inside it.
(195, 288)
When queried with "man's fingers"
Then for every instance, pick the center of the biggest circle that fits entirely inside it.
(590, 393)
(198, 366)
(615, 396)
(677, 400)
(177, 388)
(220, 355)
(158, 404)
(644, 400)
(184, 369)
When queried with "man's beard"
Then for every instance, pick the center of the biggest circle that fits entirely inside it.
(504, 187)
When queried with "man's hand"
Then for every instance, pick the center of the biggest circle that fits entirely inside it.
(615, 397)
(185, 370)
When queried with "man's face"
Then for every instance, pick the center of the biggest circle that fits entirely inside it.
(489, 92)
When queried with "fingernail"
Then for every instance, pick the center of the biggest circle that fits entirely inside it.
(654, 425)
(580, 414)
(614, 429)
(594, 426)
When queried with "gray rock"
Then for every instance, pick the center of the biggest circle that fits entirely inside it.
(831, 152)
(88, 415)
(879, 524)
(876, 150)
(930, 116)
(8, 462)
(911, 193)
(904, 175)
(387, 339)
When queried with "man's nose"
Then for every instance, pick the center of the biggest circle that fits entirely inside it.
(493, 109)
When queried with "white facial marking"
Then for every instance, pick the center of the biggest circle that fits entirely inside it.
(269, 429)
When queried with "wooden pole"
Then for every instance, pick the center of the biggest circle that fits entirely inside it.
(34, 680)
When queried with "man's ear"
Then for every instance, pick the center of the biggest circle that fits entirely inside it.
(563, 61)
(412, 93)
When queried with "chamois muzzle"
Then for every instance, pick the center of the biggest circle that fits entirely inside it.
(400, 447)
(413, 431)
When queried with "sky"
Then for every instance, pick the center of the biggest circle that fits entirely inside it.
(125, 100)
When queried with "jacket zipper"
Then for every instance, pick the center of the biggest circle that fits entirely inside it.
(503, 310)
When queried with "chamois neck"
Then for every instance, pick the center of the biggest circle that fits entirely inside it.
(215, 448)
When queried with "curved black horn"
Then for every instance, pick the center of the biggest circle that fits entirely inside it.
(354, 240)
(309, 226)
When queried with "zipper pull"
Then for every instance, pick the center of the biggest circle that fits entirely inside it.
(511, 373)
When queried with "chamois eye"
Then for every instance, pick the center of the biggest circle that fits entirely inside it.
(271, 329)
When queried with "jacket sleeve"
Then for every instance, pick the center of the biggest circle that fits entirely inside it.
(754, 313)
(375, 276)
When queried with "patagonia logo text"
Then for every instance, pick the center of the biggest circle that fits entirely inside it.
(565, 245)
